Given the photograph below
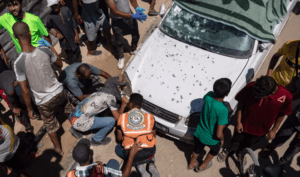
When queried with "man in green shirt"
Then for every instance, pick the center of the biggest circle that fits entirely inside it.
(213, 118)
(35, 24)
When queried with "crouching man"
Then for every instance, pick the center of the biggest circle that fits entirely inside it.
(137, 126)
(85, 117)
(82, 154)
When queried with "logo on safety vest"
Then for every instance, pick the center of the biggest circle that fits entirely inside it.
(281, 99)
(136, 120)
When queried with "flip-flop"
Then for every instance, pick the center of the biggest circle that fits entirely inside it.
(222, 156)
(266, 152)
(95, 53)
(188, 168)
(209, 164)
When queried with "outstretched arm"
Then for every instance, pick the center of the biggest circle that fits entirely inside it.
(105, 74)
(273, 63)
(134, 149)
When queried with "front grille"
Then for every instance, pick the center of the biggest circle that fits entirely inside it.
(160, 112)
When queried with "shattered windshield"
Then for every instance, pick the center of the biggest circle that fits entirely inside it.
(207, 34)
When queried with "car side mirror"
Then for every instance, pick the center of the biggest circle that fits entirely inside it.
(162, 10)
(263, 46)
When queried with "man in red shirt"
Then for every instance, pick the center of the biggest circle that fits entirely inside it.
(260, 105)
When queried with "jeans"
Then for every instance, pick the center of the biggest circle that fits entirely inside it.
(120, 26)
(113, 164)
(289, 127)
(105, 124)
(138, 159)
(241, 141)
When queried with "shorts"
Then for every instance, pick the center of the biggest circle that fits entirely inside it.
(92, 28)
(199, 146)
(50, 109)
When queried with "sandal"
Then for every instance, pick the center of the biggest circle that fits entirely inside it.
(222, 156)
(209, 164)
(95, 53)
(266, 152)
(188, 168)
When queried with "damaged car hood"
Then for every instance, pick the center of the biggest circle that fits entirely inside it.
(171, 74)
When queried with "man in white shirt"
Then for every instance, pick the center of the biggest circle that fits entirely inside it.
(34, 66)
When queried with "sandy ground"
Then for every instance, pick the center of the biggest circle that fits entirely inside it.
(172, 156)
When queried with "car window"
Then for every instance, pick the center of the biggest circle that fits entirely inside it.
(207, 34)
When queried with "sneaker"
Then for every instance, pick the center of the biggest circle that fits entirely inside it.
(75, 133)
(142, 170)
(104, 141)
(121, 63)
(152, 169)
(95, 53)
(133, 52)
(153, 13)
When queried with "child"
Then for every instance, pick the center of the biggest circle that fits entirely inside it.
(62, 25)
(213, 118)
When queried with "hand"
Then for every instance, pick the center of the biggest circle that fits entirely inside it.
(222, 143)
(43, 42)
(100, 163)
(17, 111)
(59, 36)
(62, 2)
(239, 127)
(124, 100)
(139, 9)
(139, 16)
(271, 135)
(30, 114)
(76, 39)
(77, 17)
(135, 148)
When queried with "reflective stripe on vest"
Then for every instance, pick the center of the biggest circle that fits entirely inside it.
(137, 126)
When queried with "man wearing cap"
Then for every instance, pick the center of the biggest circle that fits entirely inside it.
(82, 154)
(61, 24)
(35, 24)
(86, 117)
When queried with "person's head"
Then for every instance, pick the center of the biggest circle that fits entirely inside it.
(84, 71)
(14, 7)
(21, 31)
(264, 87)
(222, 87)
(54, 4)
(82, 153)
(135, 101)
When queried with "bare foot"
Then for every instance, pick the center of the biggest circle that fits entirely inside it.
(201, 167)
(192, 165)
(59, 151)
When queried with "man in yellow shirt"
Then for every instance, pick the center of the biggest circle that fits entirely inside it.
(286, 70)
(35, 24)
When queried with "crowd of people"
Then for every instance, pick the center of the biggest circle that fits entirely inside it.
(33, 90)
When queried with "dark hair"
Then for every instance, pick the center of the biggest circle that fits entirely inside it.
(264, 86)
(136, 99)
(82, 69)
(12, 1)
(222, 87)
(21, 30)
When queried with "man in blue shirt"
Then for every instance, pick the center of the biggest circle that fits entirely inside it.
(79, 78)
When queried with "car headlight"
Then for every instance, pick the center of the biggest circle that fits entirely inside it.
(193, 120)
(127, 90)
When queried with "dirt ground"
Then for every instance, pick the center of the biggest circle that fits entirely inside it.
(172, 156)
